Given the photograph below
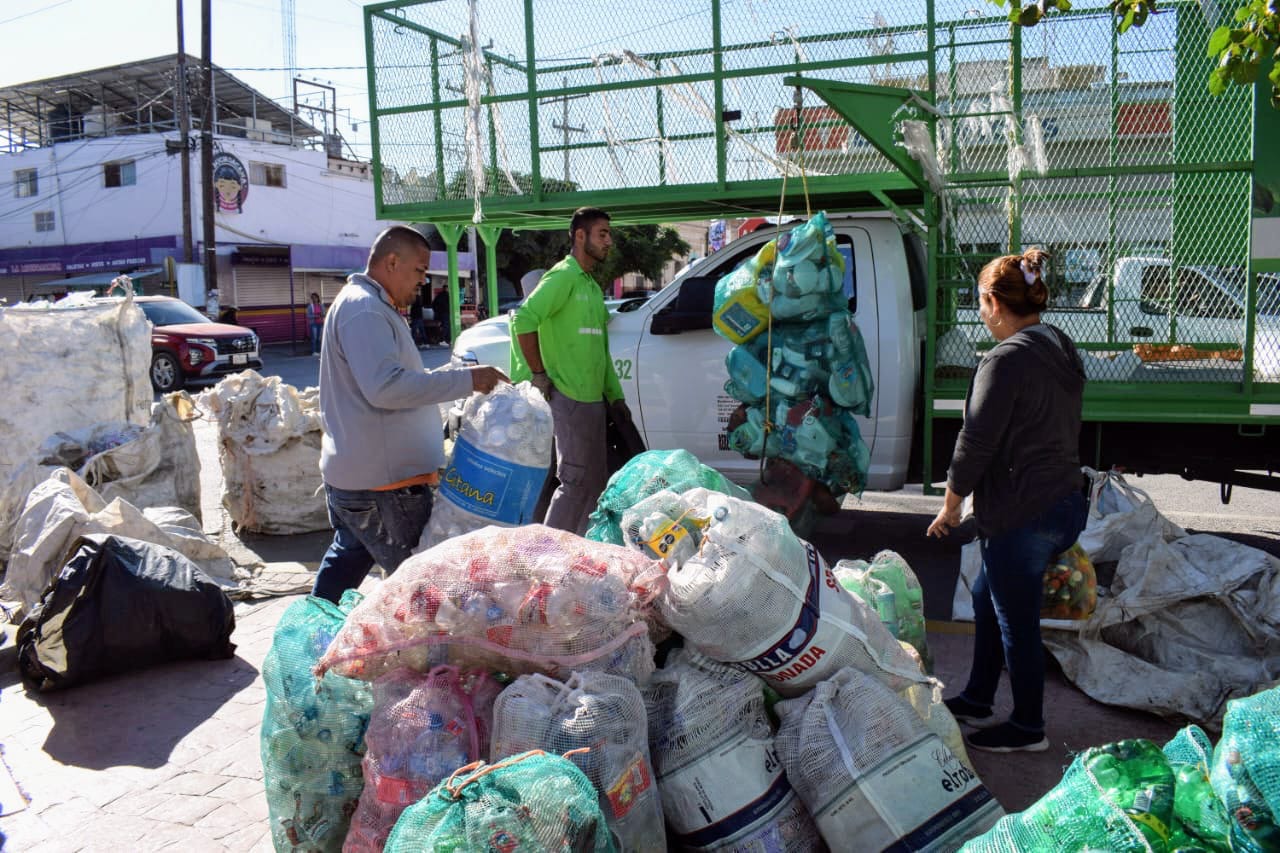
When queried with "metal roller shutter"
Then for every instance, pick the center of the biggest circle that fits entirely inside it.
(261, 297)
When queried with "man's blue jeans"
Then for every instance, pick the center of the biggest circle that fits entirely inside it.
(1006, 609)
(369, 527)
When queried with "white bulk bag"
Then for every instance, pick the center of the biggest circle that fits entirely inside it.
(269, 444)
(870, 772)
(755, 595)
(64, 507)
(722, 785)
(64, 367)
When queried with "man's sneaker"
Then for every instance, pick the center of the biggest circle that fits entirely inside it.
(970, 714)
(1007, 737)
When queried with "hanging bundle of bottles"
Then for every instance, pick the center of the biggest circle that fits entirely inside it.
(799, 369)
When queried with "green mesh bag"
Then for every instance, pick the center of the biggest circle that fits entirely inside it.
(902, 608)
(1117, 797)
(646, 474)
(1246, 770)
(532, 801)
(1199, 819)
(312, 739)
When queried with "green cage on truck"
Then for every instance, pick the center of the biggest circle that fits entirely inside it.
(976, 136)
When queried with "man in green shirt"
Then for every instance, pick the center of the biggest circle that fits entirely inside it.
(562, 338)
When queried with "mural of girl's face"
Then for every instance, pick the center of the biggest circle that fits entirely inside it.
(228, 191)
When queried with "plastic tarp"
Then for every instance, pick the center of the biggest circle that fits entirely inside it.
(269, 444)
(120, 605)
(64, 507)
(64, 367)
(1189, 624)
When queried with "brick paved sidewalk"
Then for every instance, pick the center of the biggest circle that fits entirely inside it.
(162, 758)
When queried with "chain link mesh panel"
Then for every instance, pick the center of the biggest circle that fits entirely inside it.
(1108, 151)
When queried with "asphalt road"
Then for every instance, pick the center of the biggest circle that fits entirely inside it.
(897, 520)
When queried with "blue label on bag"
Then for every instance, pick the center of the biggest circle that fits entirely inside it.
(490, 487)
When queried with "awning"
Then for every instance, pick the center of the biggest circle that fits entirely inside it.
(93, 280)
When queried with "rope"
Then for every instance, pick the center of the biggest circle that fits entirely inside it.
(455, 788)
(798, 99)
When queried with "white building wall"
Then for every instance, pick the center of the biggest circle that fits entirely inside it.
(316, 206)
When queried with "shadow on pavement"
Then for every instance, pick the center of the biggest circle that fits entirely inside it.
(137, 718)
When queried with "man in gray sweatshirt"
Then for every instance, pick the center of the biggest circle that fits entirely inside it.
(383, 445)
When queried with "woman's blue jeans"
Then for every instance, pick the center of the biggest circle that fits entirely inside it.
(317, 332)
(1006, 608)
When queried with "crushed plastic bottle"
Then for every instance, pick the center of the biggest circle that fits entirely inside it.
(746, 368)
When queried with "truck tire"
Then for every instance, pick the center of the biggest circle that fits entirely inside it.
(166, 373)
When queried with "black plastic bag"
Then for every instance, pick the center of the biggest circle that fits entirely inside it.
(118, 605)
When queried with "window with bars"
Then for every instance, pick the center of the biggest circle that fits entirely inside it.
(119, 174)
(26, 183)
(266, 174)
(45, 220)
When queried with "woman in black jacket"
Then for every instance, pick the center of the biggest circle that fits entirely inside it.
(1018, 454)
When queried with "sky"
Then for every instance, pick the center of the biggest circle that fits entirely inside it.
(47, 38)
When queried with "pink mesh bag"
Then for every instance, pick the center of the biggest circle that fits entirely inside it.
(516, 600)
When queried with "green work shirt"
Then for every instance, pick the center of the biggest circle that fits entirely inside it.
(567, 311)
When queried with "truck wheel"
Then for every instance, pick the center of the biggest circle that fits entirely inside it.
(166, 374)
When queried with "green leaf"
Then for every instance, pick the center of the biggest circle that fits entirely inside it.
(1251, 71)
(1063, 5)
(1242, 15)
(1127, 21)
(1274, 76)
(1030, 16)
(1140, 18)
(1217, 82)
(1238, 36)
(1221, 36)
(1014, 14)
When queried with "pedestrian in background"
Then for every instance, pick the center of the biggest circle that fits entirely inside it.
(1018, 454)
(417, 323)
(382, 446)
(562, 337)
(440, 307)
(315, 322)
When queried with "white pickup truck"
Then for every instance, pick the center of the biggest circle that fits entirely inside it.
(672, 365)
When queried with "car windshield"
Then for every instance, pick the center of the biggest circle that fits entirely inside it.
(171, 313)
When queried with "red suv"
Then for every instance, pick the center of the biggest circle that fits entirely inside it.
(187, 347)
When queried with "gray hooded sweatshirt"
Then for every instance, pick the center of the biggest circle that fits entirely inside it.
(1018, 452)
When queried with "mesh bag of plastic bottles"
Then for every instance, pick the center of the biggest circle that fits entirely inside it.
(808, 276)
(498, 465)
(649, 472)
(826, 356)
(822, 440)
(738, 313)
(606, 715)
(745, 590)
(867, 768)
(515, 600)
(1117, 797)
(1070, 586)
(532, 801)
(1199, 818)
(889, 585)
(1246, 770)
(423, 727)
(722, 785)
(312, 731)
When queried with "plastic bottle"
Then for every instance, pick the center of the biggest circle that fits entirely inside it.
(746, 372)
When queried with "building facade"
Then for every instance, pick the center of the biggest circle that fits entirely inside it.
(87, 198)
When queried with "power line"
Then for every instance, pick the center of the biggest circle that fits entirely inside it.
(35, 12)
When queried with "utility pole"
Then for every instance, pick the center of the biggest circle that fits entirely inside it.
(210, 259)
(563, 125)
(184, 131)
